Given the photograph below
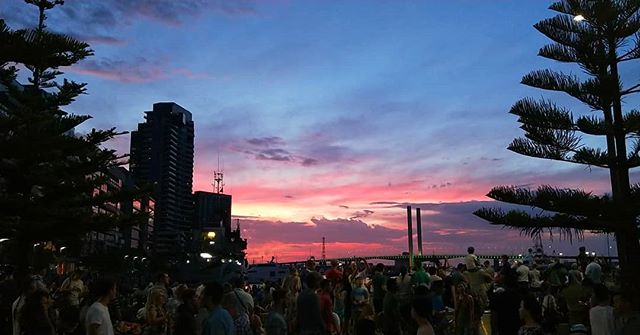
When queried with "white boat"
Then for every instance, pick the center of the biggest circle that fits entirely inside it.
(266, 272)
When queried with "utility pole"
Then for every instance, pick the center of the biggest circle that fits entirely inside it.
(324, 254)
(419, 226)
(410, 236)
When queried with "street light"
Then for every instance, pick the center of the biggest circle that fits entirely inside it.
(3, 240)
(211, 234)
(62, 248)
(206, 255)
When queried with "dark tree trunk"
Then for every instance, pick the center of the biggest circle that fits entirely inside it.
(629, 258)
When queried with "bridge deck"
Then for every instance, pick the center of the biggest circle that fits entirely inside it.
(423, 258)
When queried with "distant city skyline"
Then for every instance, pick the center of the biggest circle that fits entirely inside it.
(329, 117)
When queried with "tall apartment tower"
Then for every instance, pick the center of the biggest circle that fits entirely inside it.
(162, 156)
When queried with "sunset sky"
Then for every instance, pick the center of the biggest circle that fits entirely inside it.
(329, 117)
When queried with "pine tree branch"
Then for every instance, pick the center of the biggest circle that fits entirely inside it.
(535, 225)
(632, 89)
(568, 201)
(559, 52)
(542, 114)
(561, 29)
(593, 125)
(589, 156)
(592, 156)
(558, 81)
(631, 122)
(633, 53)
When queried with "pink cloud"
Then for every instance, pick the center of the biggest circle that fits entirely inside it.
(137, 70)
(187, 73)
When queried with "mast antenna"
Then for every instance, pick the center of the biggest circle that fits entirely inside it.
(218, 179)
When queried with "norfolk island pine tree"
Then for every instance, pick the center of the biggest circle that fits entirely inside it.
(604, 37)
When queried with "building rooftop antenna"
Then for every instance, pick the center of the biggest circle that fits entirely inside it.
(218, 179)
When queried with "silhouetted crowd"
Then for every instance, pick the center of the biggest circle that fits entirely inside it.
(531, 295)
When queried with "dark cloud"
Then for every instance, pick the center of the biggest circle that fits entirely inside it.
(98, 19)
(309, 162)
(272, 148)
(361, 214)
(441, 185)
(177, 12)
(327, 152)
(275, 154)
(266, 141)
(383, 203)
(98, 39)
